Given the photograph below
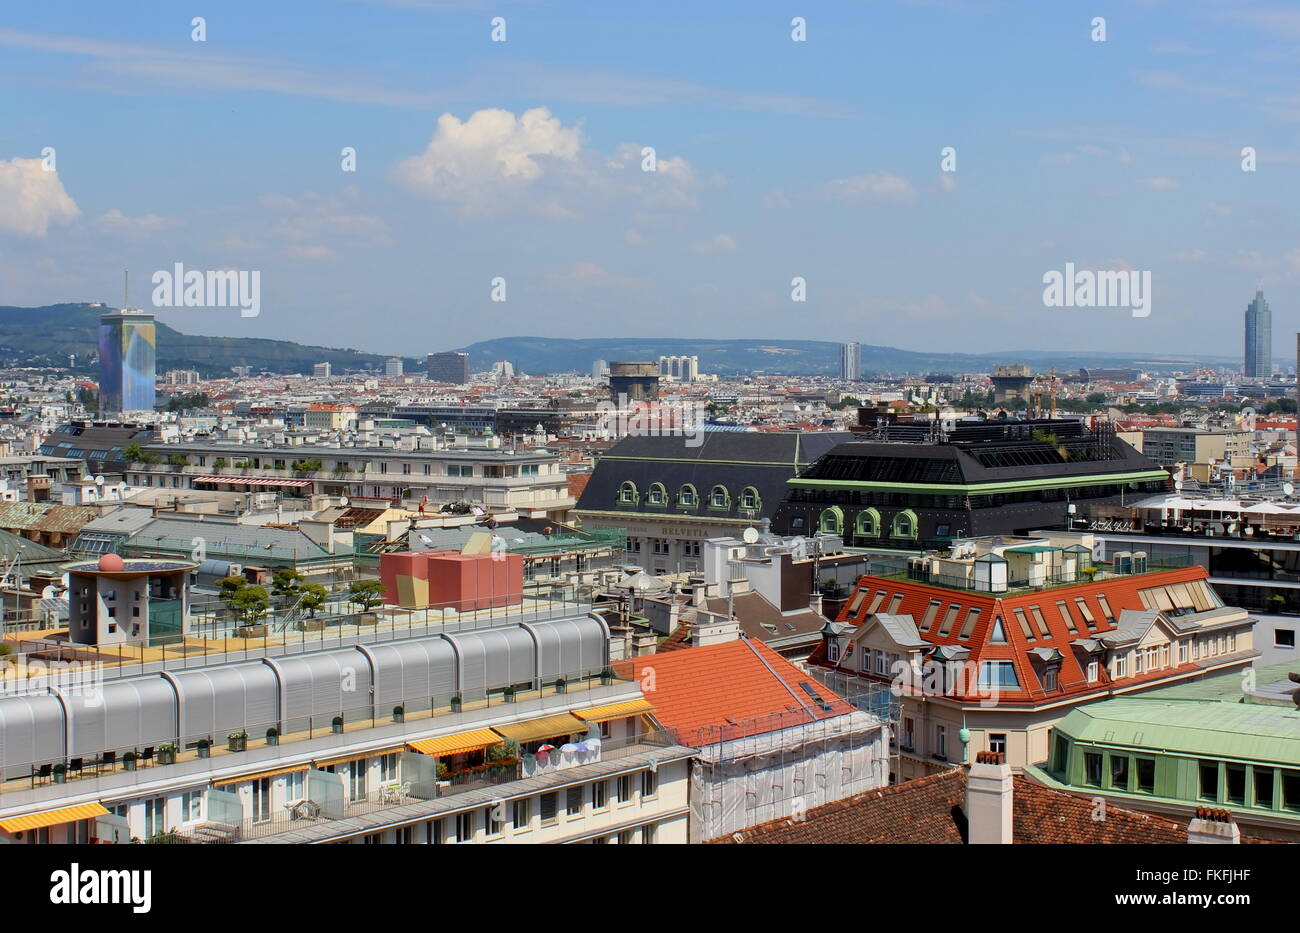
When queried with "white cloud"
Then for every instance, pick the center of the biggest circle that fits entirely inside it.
(492, 154)
(722, 243)
(948, 181)
(31, 199)
(1160, 184)
(114, 221)
(874, 186)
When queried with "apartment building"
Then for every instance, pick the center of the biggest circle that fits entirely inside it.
(502, 729)
(327, 417)
(530, 482)
(998, 639)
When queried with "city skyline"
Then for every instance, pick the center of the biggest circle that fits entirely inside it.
(775, 160)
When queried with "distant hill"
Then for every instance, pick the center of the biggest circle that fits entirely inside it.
(782, 357)
(45, 336)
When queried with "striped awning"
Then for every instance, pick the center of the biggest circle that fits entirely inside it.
(357, 756)
(258, 775)
(547, 728)
(253, 481)
(84, 811)
(615, 711)
(447, 745)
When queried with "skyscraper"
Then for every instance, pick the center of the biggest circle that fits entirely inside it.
(393, 367)
(850, 362)
(127, 340)
(1259, 339)
(448, 367)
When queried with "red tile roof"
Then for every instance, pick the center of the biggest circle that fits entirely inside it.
(930, 811)
(1119, 592)
(731, 690)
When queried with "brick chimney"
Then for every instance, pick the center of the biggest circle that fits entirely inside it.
(1213, 826)
(988, 800)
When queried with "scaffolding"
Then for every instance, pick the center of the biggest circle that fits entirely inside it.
(781, 766)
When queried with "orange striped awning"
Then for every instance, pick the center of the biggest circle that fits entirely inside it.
(357, 756)
(548, 727)
(258, 775)
(447, 745)
(615, 711)
(84, 811)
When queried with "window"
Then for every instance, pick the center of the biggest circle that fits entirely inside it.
(624, 788)
(941, 741)
(1092, 768)
(930, 612)
(908, 726)
(549, 806)
(388, 768)
(998, 674)
(649, 784)
(1060, 753)
(1093, 670)
(1024, 624)
(998, 742)
(1049, 678)
(599, 795)
(904, 525)
(686, 496)
(1117, 667)
(657, 494)
(465, 826)
(627, 493)
(719, 498)
(523, 814)
(1182, 652)
(894, 603)
(357, 779)
(491, 823)
(191, 806)
(1262, 778)
(968, 626)
(1291, 789)
(1146, 775)
(1105, 608)
(1084, 611)
(1209, 771)
(1283, 638)
(295, 785)
(867, 524)
(1235, 781)
(261, 800)
(433, 832)
(749, 498)
(648, 834)
(998, 636)
(831, 521)
(1040, 622)
(1119, 772)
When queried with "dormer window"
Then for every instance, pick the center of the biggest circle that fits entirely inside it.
(1093, 671)
(627, 493)
(657, 495)
(1049, 678)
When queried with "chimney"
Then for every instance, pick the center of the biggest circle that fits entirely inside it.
(988, 800)
(1213, 826)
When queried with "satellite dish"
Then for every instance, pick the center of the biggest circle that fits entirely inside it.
(1178, 484)
(1288, 488)
(99, 479)
(750, 535)
(343, 500)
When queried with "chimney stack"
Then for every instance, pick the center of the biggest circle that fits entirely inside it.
(1213, 826)
(988, 800)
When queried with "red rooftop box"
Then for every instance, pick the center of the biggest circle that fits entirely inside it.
(420, 579)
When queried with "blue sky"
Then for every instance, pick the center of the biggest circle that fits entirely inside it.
(776, 159)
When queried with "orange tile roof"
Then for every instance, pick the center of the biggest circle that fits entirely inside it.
(726, 691)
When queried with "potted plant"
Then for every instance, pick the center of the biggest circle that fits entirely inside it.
(455, 703)
(238, 741)
(336, 725)
(166, 753)
(366, 594)
(1275, 603)
(399, 714)
(273, 736)
(561, 686)
(203, 747)
(508, 694)
(60, 773)
(607, 677)
(128, 761)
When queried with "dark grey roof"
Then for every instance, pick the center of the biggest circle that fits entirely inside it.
(901, 628)
(763, 460)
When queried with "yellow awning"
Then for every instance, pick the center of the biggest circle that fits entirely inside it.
(550, 727)
(447, 745)
(615, 711)
(258, 775)
(357, 756)
(85, 811)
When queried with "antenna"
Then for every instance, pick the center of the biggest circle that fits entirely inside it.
(126, 288)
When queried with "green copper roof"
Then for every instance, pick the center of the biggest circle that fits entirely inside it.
(1225, 687)
(1202, 729)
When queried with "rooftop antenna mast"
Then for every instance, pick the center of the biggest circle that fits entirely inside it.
(126, 288)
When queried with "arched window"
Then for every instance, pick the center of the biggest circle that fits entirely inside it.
(657, 495)
(749, 499)
(831, 521)
(867, 524)
(627, 493)
(904, 525)
(688, 497)
(719, 498)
